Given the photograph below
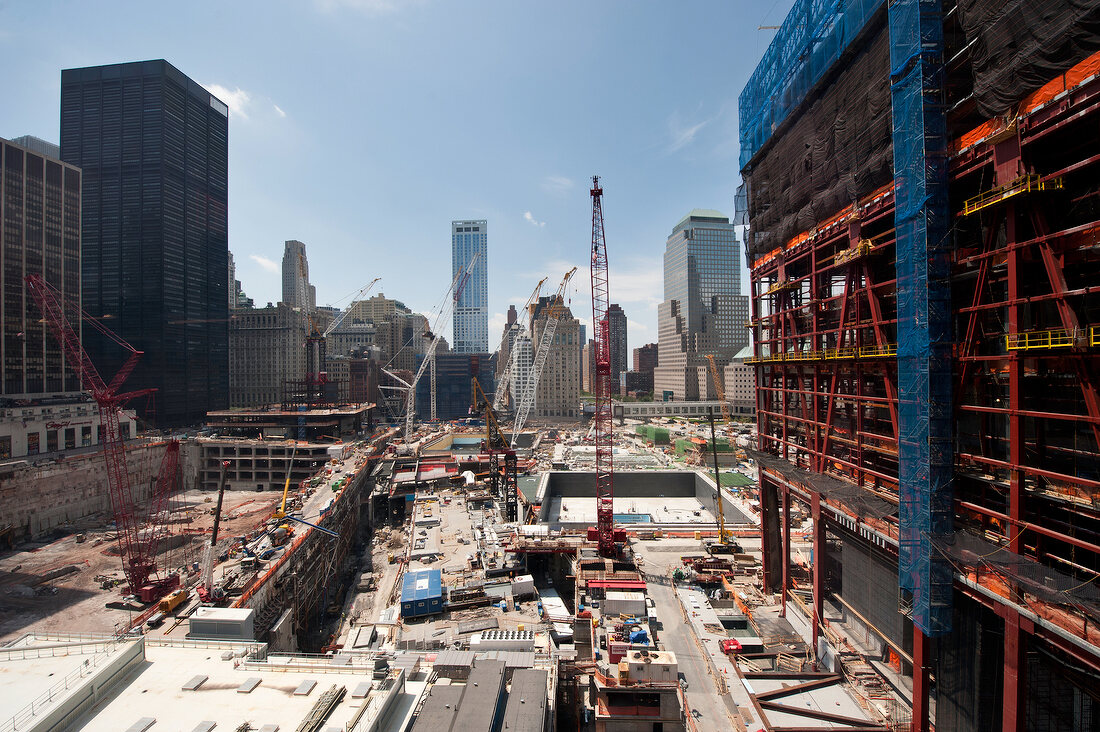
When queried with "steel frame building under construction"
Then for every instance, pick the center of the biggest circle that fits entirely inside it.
(924, 210)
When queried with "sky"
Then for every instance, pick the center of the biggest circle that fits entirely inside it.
(364, 127)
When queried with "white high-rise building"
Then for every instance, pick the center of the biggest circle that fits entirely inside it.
(471, 314)
(523, 356)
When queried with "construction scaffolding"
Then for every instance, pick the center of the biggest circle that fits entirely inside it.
(924, 234)
(923, 265)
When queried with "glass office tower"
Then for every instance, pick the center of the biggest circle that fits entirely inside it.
(703, 311)
(153, 147)
(471, 314)
(40, 234)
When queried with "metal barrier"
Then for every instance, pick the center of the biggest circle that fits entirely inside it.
(1040, 340)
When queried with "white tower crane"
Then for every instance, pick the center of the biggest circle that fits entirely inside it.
(453, 293)
(553, 314)
(506, 376)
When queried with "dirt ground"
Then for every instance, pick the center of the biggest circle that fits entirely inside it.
(75, 602)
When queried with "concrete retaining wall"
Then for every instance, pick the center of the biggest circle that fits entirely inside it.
(37, 499)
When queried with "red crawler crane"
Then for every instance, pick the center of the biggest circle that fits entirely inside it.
(604, 531)
(141, 533)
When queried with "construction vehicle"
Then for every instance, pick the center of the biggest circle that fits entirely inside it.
(553, 314)
(505, 382)
(603, 533)
(142, 530)
(206, 590)
(170, 602)
(726, 544)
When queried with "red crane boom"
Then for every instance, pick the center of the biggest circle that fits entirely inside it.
(604, 531)
(140, 534)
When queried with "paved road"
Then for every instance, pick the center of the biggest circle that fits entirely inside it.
(675, 636)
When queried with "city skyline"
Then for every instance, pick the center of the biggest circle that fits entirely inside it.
(406, 168)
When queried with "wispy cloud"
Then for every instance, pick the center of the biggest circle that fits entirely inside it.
(237, 99)
(279, 111)
(265, 263)
(532, 220)
(557, 184)
(681, 135)
(496, 328)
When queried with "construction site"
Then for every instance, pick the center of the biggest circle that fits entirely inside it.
(922, 209)
(905, 539)
(429, 575)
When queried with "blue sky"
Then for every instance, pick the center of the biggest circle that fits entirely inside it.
(363, 127)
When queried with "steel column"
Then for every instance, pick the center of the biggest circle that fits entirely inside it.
(921, 681)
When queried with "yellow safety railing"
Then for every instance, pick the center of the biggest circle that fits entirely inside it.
(1024, 184)
(1094, 336)
(885, 350)
(778, 286)
(1040, 340)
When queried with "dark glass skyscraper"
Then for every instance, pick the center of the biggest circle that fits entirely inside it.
(39, 234)
(153, 147)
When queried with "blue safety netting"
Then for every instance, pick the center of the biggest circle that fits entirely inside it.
(811, 39)
(925, 409)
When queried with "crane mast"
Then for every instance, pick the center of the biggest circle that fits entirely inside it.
(604, 531)
(553, 315)
(140, 529)
(504, 486)
(344, 313)
(453, 293)
(506, 375)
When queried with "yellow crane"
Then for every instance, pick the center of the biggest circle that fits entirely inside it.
(726, 544)
(281, 513)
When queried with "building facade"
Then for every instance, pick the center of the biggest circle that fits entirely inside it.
(522, 355)
(703, 312)
(588, 361)
(297, 292)
(40, 208)
(453, 375)
(616, 322)
(645, 357)
(557, 394)
(471, 312)
(266, 347)
(635, 383)
(387, 329)
(153, 148)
